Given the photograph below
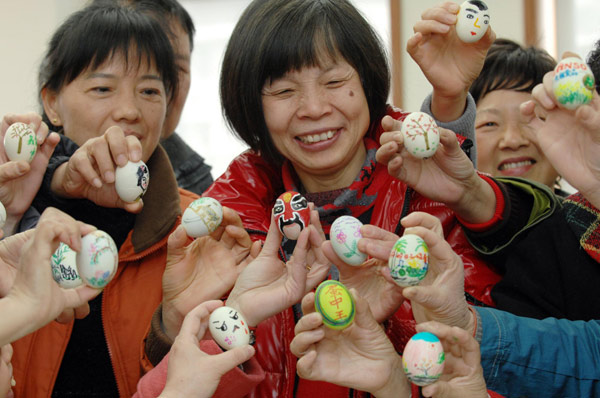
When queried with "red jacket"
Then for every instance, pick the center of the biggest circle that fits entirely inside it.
(128, 300)
(250, 186)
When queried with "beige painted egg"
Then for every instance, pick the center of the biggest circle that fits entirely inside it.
(228, 328)
(64, 267)
(409, 260)
(344, 235)
(473, 20)
(131, 181)
(421, 135)
(98, 259)
(202, 217)
(20, 142)
(423, 359)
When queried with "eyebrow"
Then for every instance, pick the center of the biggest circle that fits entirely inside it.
(113, 76)
(486, 15)
(471, 9)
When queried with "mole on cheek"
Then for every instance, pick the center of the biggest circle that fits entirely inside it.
(351, 93)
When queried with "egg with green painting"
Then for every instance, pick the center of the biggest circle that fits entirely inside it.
(20, 142)
(98, 259)
(573, 83)
(423, 359)
(335, 304)
(344, 236)
(64, 267)
(409, 260)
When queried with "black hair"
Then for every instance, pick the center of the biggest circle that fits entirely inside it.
(509, 66)
(479, 4)
(593, 61)
(96, 33)
(273, 37)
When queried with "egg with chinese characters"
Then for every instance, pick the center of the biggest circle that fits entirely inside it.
(20, 142)
(202, 217)
(64, 267)
(131, 181)
(573, 83)
(344, 235)
(228, 328)
(409, 260)
(421, 134)
(98, 259)
(473, 20)
(423, 359)
(291, 214)
(335, 304)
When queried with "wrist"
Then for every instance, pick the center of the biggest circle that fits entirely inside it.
(250, 320)
(447, 107)
(397, 384)
(479, 203)
(172, 320)
(56, 185)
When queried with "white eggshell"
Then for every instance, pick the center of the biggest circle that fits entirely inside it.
(98, 259)
(20, 142)
(573, 83)
(409, 260)
(2, 215)
(421, 134)
(64, 267)
(228, 328)
(131, 181)
(473, 20)
(202, 217)
(344, 236)
(423, 359)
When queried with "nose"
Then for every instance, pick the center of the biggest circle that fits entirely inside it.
(514, 137)
(126, 107)
(475, 23)
(314, 104)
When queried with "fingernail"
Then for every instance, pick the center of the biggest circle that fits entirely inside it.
(121, 160)
(109, 176)
(97, 183)
(13, 382)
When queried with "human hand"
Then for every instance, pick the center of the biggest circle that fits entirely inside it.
(19, 180)
(90, 172)
(206, 269)
(449, 64)
(359, 356)
(268, 286)
(440, 295)
(463, 374)
(6, 371)
(448, 176)
(383, 295)
(192, 372)
(35, 297)
(570, 139)
(10, 254)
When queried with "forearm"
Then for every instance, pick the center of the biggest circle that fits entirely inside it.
(397, 385)
(19, 318)
(447, 109)
(479, 203)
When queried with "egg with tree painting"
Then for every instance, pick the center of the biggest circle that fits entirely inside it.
(20, 142)
(423, 359)
(98, 259)
(421, 135)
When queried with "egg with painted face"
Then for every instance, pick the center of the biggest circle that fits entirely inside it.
(98, 259)
(344, 235)
(20, 142)
(409, 260)
(64, 267)
(202, 217)
(335, 304)
(291, 214)
(423, 359)
(473, 20)
(228, 328)
(573, 83)
(2, 215)
(131, 181)
(421, 135)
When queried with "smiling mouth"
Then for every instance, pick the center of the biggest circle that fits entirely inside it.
(514, 165)
(314, 138)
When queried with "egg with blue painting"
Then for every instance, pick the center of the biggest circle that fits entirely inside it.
(409, 260)
(573, 83)
(423, 359)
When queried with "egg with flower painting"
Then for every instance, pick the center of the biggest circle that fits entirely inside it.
(20, 142)
(472, 21)
(64, 267)
(423, 359)
(228, 328)
(98, 259)
(573, 83)
(344, 235)
(291, 214)
(202, 217)
(131, 181)
(2, 215)
(335, 304)
(421, 134)
(409, 260)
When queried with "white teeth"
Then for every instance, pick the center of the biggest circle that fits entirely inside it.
(516, 164)
(309, 139)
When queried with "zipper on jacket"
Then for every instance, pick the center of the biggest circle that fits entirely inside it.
(110, 353)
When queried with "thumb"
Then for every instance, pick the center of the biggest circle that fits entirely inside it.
(439, 389)
(12, 170)
(420, 295)
(228, 360)
(176, 244)
(363, 318)
(589, 118)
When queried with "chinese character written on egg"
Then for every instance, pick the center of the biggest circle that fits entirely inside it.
(336, 299)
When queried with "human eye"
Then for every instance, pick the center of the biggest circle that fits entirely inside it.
(486, 125)
(100, 89)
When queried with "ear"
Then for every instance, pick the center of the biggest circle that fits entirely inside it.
(50, 101)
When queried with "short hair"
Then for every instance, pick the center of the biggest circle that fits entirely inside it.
(96, 33)
(479, 4)
(163, 11)
(509, 66)
(593, 61)
(273, 37)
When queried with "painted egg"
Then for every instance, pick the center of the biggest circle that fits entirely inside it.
(344, 236)
(20, 142)
(421, 135)
(131, 181)
(202, 217)
(573, 83)
(473, 20)
(423, 359)
(98, 259)
(228, 328)
(2, 215)
(409, 260)
(292, 214)
(64, 267)
(335, 303)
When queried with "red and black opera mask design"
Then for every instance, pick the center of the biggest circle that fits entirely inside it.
(291, 213)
